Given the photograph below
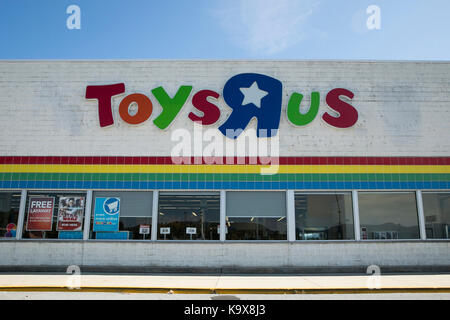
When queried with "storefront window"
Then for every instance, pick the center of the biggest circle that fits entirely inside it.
(388, 215)
(253, 215)
(323, 216)
(121, 215)
(436, 207)
(54, 215)
(188, 216)
(9, 211)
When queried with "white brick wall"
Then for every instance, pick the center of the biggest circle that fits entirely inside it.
(230, 255)
(404, 107)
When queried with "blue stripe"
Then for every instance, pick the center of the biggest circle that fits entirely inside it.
(237, 185)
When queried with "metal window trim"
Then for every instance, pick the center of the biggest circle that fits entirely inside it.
(87, 214)
(155, 207)
(32, 192)
(290, 215)
(431, 191)
(356, 222)
(322, 193)
(223, 212)
(189, 193)
(387, 191)
(21, 217)
(420, 215)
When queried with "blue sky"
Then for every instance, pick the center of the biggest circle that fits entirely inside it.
(226, 29)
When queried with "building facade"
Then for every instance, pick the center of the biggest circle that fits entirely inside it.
(225, 165)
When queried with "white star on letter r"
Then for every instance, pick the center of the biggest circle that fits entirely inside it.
(253, 95)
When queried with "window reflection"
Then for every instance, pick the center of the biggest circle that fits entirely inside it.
(388, 216)
(436, 207)
(256, 215)
(324, 216)
(9, 211)
(256, 228)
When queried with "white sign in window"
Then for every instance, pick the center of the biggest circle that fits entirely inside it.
(164, 230)
(144, 229)
(191, 230)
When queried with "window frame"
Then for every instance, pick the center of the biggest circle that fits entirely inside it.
(285, 191)
(33, 192)
(185, 192)
(327, 192)
(424, 215)
(19, 191)
(408, 191)
(90, 231)
(223, 193)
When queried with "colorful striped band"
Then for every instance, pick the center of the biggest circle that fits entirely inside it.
(318, 173)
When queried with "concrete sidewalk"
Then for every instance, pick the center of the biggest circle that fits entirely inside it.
(222, 284)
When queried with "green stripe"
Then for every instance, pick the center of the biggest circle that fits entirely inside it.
(7, 176)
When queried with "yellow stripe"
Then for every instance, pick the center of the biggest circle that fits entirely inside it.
(222, 168)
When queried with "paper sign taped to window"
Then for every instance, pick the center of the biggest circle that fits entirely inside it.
(191, 230)
(164, 230)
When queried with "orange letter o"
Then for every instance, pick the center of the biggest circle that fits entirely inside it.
(145, 108)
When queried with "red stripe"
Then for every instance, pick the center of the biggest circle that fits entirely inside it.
(230, 160)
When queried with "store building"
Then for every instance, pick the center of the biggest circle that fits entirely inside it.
(280, 166)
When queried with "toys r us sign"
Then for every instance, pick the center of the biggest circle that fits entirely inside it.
(248, 94)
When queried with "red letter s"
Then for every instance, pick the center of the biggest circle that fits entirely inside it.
(347, 113)
(211, 112)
